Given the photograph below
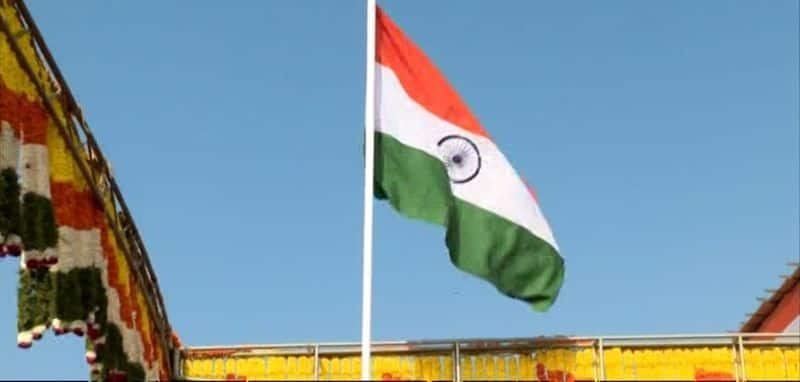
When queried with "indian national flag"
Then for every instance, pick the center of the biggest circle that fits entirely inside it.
(435, 162)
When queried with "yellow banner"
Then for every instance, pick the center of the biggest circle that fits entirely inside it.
(627, 364)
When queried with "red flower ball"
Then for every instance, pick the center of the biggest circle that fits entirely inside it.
(13, 250)
(32, 264)
(117, 376)
(92, 333)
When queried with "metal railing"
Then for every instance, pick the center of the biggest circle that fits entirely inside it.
(459, 348)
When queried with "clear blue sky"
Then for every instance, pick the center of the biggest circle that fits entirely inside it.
(662, 138)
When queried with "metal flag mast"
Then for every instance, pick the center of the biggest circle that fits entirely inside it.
(369, 164)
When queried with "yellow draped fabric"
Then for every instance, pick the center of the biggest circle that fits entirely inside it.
(663, 363)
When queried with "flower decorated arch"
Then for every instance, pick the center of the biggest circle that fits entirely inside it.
(80, 273)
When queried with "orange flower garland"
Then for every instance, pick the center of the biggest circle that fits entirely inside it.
(93, 289)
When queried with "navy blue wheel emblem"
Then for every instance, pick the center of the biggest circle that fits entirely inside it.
(461, 158)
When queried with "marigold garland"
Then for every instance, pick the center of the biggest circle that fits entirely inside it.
(39, 231)
(35, 228)
(92, 291)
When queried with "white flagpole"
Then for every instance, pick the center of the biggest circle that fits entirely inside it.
(369, 153)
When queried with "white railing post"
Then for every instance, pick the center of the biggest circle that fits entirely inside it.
(316, 362)
(457, 362)
(741, 359)
(602, 359)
